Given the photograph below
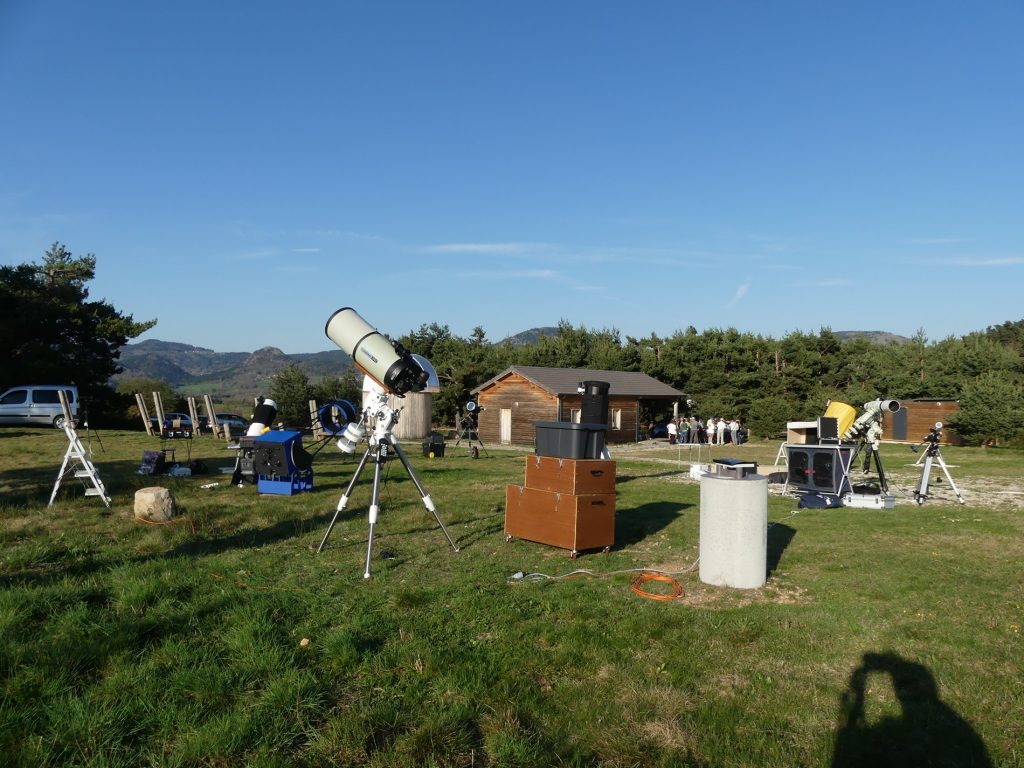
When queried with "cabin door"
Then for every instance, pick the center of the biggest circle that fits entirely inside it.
(505, 426)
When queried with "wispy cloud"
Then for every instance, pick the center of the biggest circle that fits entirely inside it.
(258, 255)
(305, 250)
(738, 296)
(539, 275)
(498, 248)
(971, 261)
(515, 274)
(933, 241)
(345, 234)
(825, 282)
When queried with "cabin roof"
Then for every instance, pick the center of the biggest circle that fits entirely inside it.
(565, 381)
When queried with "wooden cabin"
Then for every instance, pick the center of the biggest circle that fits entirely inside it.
(915, 418)
(513, 400)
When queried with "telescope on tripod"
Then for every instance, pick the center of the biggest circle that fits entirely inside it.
(469, 428)
(390, 369)
(933, 454)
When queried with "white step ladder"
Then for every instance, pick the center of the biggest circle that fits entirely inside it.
(77, 462)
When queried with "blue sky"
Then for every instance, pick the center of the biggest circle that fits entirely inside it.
(243, 169)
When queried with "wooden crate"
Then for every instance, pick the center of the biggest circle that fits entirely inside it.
(571, 521)
(572, 476)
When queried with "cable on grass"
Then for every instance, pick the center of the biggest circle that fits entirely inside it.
(646, 574)
(643, 578)
(526, 576)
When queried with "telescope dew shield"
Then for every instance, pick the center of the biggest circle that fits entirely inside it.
(262, 418)
(390, 365)
(594, 405)
(844, 414)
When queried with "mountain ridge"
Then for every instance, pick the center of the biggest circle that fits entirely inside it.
(230, 374)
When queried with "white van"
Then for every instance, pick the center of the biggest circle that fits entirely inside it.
(37, 404)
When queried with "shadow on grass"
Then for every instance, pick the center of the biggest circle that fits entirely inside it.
(779, 537)
(251, 537)
(61, 564)
(11, 432)
(926, 732)
(634, 525)
(619, 479)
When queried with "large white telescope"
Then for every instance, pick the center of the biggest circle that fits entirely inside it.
(389, 364)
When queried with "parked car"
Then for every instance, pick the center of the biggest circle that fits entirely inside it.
(237, 423)
(37, 404)
(233, 420)
(173, 421)
(658, 430)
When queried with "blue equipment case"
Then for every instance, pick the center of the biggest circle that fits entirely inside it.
(284, 468)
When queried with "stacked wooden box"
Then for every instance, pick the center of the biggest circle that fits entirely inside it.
(567, 503)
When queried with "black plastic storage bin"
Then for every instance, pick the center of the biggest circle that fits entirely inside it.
(565, 440)
(433, 446)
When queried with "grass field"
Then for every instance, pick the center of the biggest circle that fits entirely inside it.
(881, 638)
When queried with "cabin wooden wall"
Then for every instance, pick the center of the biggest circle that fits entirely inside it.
(630, 413)
(528, 403)
(921, 416)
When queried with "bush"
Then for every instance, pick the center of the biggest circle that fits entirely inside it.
(991, 410)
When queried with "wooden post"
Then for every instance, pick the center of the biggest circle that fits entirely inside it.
(194, 414)
(158, 405)
(218, 429)
(314, 421)
(140, 401)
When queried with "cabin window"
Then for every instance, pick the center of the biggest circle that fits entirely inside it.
(614, 418)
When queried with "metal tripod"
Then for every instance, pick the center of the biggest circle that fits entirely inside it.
(933, 454)
(379, 451)
(871, 452)
(469, 429)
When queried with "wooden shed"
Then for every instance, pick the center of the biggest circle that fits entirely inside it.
(915, 418)
(513, 400)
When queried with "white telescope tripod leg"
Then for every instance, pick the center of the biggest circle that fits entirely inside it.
(922, 486)
(427, 501)
(374, 509)
(343, 502)
(945, 471)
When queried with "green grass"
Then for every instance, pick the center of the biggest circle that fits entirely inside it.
(123, 644)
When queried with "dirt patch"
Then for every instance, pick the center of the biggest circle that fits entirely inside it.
(978, 490)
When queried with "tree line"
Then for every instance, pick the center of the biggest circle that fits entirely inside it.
(51, 331)
(762, 380)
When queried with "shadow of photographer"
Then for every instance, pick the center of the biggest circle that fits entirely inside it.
(927, 732)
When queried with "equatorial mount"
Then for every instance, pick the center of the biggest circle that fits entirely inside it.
(377, 420)
(932, 453)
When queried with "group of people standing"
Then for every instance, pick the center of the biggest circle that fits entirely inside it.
(716, 431)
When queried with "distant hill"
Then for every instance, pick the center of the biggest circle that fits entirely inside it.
(877, 337)
(222, 374)
(525, 338)
(197, 370)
